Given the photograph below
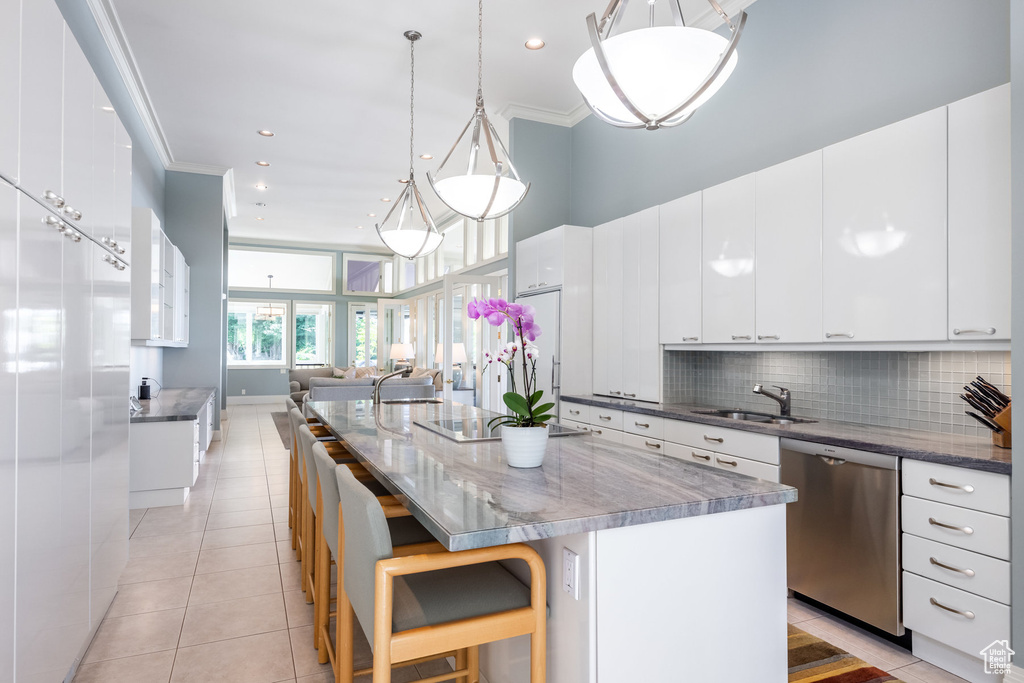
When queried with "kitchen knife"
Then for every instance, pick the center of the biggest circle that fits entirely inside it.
(985, 421)
(990, 409)
(991, 386)
(993, 396)
(977, 405)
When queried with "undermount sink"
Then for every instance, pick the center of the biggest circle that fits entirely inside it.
(406, 401)
(764, 418)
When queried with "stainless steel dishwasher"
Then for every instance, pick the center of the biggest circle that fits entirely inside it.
(843, 533)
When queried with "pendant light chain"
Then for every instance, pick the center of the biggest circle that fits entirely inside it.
(412, 99)
(480, 53)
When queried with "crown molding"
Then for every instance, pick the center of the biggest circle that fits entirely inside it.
(201, 169)
(567, 119)
(117, 44)
(241, 241)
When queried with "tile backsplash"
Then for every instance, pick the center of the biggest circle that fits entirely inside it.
(890, 388)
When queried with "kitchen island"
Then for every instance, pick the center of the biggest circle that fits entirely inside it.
(681, 569)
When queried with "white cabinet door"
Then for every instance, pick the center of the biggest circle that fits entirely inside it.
(526, 265)
(649, 357)
(10, 58)
(100, 216)
(123, 191)
(76, 133)
(787, 221)
(884, 234)
(549, 256)
(979, 216)
(42, 68)
(607, 308)
(680, 261)
(8, 418)
(728, 262)
(629, 307)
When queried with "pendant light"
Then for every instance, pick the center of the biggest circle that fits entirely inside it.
(484, 183)
(656, 76)
(412, 233)
(270, 311)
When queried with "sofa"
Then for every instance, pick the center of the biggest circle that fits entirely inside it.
(347, 384)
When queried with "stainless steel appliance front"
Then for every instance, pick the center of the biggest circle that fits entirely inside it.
(843, 533)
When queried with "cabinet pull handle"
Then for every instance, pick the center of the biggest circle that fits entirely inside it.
(531, 286)
(716, 440)
(642, 424)
(964, 613)
(630, 395)
(966, 488)
(767, 336)
(695, 454)
(690, 339)
(615, 393)
(573, 412)
(54, 222)
(605, 417)
(737, 337)
(596, 431)
(53, 198)
(542, 284)
(987, 330)
(965, 572)
(848, 335)
(652, 445)
(964, 529)
(74, 213)
(730, 463)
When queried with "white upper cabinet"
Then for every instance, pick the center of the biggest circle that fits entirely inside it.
(649, 357)
(979, 216)
(122, 192)
(10, 58)
(42, 67)
(99, 216)
(679, 260)
(727, 270)
(160, 288)
(629, 313)
(788, 251)
(884, 234)
(539, 261)
(607, 306)
(77, 134)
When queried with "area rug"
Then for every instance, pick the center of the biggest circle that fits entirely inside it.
(812, 659)
(283, 428)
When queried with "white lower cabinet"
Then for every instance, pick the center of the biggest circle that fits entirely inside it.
(644, 443)
(613, 435)
(164, 462)
(973, 572)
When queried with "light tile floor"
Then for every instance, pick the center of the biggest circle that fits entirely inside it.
(211, 590)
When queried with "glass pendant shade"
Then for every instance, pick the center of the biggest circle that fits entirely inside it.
(408, 229)
(653, 77)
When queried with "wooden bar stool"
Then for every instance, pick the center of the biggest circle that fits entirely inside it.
(426, 605)
(406, 532)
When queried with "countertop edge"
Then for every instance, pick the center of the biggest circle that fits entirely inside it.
(184, 406)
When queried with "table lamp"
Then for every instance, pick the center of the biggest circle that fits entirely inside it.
(401, 352)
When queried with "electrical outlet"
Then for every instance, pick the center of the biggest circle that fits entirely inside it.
(284, 371)
(571, 573)
(243, 392)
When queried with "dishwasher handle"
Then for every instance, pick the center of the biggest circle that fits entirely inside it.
(829, 460)
(841, 454)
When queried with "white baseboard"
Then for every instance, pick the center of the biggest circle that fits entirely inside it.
(250, 400)
(1016, 675)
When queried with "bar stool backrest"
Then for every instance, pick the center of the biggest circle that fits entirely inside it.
(306, 443)
(325, 467)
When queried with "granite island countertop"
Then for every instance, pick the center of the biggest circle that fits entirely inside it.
(946, 449)
(174, 405)
(468, 497)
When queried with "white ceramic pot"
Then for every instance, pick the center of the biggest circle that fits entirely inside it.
(524, 446)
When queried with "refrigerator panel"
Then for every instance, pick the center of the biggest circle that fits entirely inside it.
(547, 315)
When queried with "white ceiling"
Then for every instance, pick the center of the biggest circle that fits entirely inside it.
(331, 79)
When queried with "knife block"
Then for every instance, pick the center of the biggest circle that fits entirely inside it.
(1002, 439)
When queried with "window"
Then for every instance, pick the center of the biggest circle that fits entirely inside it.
(293, 271)
(362, 335)
(368, 274)
(256, 333)
(313, 333)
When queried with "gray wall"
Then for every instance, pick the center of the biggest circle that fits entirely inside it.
(195, 224)
(147, 170)
(810, 74)
(1017, 332)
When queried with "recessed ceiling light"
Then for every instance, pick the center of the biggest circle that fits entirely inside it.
(534, 44)
(359, 227)
(372, 215)
(385, 199)
(426, 156)
(260, 218)
(263, 163)
(265, 133)
(261, 187)
(107, 109)
(260, 204)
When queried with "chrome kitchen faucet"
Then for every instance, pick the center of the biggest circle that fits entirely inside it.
(782, 397)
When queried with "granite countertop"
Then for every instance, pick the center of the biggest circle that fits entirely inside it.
(947, 449)
(468, 497)
(174, 405)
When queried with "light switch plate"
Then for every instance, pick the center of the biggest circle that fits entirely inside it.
(571, 573)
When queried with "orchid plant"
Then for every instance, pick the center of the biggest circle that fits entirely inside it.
(527, 409)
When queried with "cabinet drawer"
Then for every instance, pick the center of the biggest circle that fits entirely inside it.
(751, 468)
(977, 531)
(602, 417)
(984, 491)
(644, 425)
(990, 622)
(760, 447)
(573, 424)
(574, 411)
(644, 443)
(979, 574)
(699, 456)
(613, 435)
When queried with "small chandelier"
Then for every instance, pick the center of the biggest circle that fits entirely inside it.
(412, 233)
(655, 76)
(489, 187)
(270, 311)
